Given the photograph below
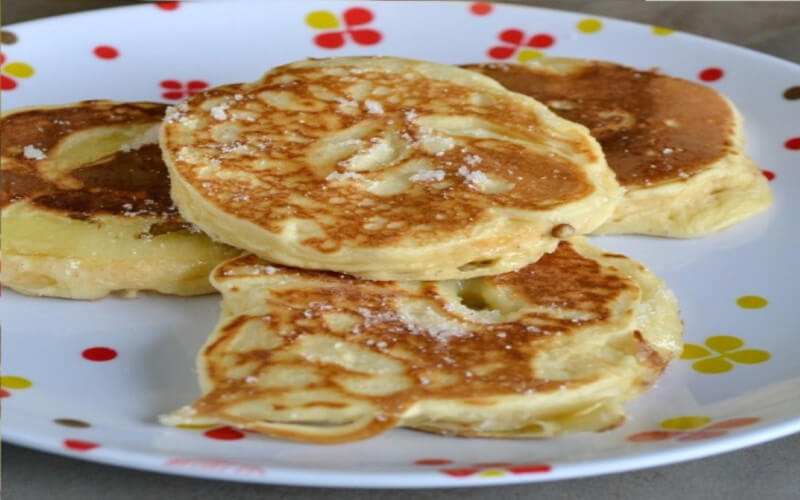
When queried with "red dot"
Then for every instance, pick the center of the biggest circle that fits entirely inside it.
(99, 354)
(167, 5)
(793, 143)
(711, 74)
(530, 469)
(700, 435)
(177, 94)
(366, 37)
(105, 52)
(651, 436)
(769, 174)
(512, 36)
(433, 461)
(4, 393)
(480, 8)
(77, 445)
(2, 58)
(356, 16)
(196, 85)
(7, 83)
(732, 423)
(501, 52)
(329, 40)
(171, 84)
(541, 41)
(224, 433)
(459, 472)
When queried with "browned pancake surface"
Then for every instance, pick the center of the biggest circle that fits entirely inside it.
(563, 294)
(426, 210)
(132, 182)
(653, 128)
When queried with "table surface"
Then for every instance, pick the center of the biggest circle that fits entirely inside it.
(767, 471)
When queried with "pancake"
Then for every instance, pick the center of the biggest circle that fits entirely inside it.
(86, 208)
(677, 147)
(555, 347)
(384, 168)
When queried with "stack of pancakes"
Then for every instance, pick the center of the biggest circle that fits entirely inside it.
(412, 235)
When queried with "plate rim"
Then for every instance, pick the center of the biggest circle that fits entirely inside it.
(431, 477)
(426, 478)
(504, 4)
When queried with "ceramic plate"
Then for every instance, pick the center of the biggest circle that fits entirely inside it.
(87, 379)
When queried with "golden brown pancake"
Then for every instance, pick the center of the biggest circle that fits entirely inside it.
(320, 357)
(676, 147)
(384, 168)
(86, 208)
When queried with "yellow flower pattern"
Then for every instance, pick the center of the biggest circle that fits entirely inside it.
(720, 354)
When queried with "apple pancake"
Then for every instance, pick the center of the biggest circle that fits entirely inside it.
(554, 347)
(677, 147)
(384, 168)
(86, 208)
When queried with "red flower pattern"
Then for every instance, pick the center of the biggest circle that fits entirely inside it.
(15, 69)
(6, 83)
(706, 432)
(168, 5)
(485, 469)
(354, 18)
(175, 89)
(516, 39)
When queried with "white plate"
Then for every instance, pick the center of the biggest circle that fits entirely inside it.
(141, 52)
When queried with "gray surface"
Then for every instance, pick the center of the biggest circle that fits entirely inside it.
(769, 471)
